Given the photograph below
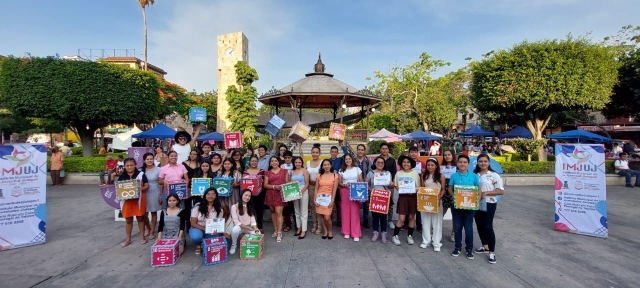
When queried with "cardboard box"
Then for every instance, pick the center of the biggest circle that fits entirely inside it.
(127, 189)
(199, 185)
(428, 200)
(233, 140)
(466, 197)
(252, 247)
(337, 131)
(290, 191)
(359, 191)
(165, 252)
(223, 186)
(197, 115)
(214, 251)
(179, 188)
(380, 201)
(300, 132)
(274, 125)
(253, 184)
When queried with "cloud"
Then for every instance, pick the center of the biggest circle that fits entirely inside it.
(186, 47)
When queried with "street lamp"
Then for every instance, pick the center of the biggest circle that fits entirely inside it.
(369, 113)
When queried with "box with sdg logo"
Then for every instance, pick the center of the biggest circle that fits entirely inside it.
(128, 189)
(214, 251)
(359, 191)
(165, 252)
(428, 200)
(274, 125)
(252, 247)
(300, 132)
(199, 185)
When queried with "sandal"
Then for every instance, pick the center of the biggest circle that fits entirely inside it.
(143, 241)
(198, 250)
(125, 244)
(279, 238)
(274, 234)
(319, 230)
(286, 229)
(315, 226)
(152, 237)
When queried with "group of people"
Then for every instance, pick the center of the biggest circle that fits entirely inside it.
(324, 185)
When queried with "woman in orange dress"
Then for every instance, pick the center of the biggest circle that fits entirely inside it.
(326, 184)
(134, 207)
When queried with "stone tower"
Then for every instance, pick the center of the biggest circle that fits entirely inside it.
(232, 48)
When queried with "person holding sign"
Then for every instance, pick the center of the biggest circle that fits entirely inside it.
(447, 168)
(134, 207)
(173, 221)
(210, 208)
(326, 186)
(301, 206)
(273, 180)
(433, 179)
(350, 210)
(258, 201)
(229, 170)
(492, 187)
(379, 219)
(244, 220)
(184, 142)
(407, 182)
(463, 219)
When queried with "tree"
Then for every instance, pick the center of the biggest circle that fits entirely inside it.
(173, 99)
(542, 78)
(83, 95)
(376, 122)
(242, 101)
(625, 101)
(144, 4)
(526, 146)
(209, 101)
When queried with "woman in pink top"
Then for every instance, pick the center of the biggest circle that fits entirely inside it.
(244, 219)
(173, 172)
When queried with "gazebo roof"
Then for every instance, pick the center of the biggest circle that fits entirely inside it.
(318, 90)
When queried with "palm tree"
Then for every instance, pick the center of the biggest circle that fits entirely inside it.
(144, 4)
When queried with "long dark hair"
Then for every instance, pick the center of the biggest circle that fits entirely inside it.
(174, 196)
(477, 169)
(199, 174)
(286, 149)
(242, 166)
(453, 158)
(436, 173)
(273, 157)
(251, 211)
(203, 209)
(232, 172)
(144, 165)
(344, 163)
(322, 169)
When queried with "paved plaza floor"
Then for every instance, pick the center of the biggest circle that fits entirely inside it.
(83, 250)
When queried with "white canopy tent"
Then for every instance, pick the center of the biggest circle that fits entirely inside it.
(123, 141)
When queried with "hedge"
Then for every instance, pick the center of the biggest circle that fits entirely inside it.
(535, 167)
(84, 164)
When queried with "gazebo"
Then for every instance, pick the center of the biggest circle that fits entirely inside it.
(320, 90)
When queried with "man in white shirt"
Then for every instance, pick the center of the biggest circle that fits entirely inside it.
(622, 168)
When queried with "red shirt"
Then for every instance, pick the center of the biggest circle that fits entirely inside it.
(111, 164)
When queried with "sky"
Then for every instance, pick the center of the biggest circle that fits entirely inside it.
(355, 37)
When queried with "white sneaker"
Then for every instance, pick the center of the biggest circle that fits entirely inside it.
(356, 239)
(395, 240)
(424, 245)
(232, 250)
(410, 240)
(436, 249)
(391, 226)
(346, 236)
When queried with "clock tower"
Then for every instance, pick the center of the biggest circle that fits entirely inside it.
(232, 48)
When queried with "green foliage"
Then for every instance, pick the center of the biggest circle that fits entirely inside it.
(625, 101)
(376, 122)
(528, 167)
(526, 146)
(209, 101)
(397, 148)
(265, 140)
(536, 80)
(242, 102)
(515, 157)
(85, 95)
(173, 99)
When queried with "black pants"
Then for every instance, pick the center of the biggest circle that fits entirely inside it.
(258, 203)
(484, 224)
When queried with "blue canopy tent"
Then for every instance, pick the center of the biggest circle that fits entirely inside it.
(518, 132)
(161, 131)
(420, 135)
(215, 136)
(580, 135)
(476, 131)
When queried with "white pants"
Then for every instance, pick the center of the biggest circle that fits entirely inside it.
(432, 220)
(393, 211)
(301, 207)
(236, 231)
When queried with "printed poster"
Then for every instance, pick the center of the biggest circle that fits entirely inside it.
(23, 179)
(137, 153)
(359, 191)
(223, 186)
(581, 190)
(291, 191)
(380, 201)
(406, 185)
(199, 185)
(179, 189)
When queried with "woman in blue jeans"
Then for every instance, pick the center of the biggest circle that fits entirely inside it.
(463, 218)
(209, 208)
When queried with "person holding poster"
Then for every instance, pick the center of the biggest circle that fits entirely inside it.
(379, 220)
(407, 182)
(209, 208)
(134, 207)
(229, 170)
(433, 179)
(364, 163)
(313, 168)
(244, 220)
(203, 172)
(350, 209)
(301, 206)
(463, 219)
(153, 194)
(173, 221)
(447, 168)
(253, 171)
(273, 180)
(326, 187)
(491, 187)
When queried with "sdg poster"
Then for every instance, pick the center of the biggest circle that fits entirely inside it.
(581, 190)
(23, 180)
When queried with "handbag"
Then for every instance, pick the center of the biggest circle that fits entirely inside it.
(62, 174)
